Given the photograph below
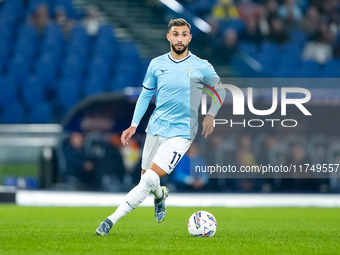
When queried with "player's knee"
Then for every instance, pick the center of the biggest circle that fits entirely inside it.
(150, 178)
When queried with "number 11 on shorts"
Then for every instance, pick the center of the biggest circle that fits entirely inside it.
(174, 158)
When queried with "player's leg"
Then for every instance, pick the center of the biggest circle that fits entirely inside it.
(149, 182)
(167, 157)
(136, 196)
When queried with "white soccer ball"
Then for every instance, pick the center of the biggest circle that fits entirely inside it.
(202, 224)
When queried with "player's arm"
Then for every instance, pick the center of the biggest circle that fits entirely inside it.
(149, 86)
(208, 122)
(140, 109)
(219, 96)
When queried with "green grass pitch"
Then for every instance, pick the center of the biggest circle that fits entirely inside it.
(44, 230)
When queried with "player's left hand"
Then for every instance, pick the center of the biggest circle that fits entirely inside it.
(208, 125)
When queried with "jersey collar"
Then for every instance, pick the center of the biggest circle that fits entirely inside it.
(179, 60)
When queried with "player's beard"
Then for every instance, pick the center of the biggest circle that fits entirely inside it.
(184, 48)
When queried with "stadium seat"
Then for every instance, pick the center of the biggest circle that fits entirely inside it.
(27, 32)
(6, 34)
(267, 56)
(72, 68)
(4, 50)
(121, 80)
(106, 51)
(18, 68)
(53, 50)
(9, 90)
(298, 36)
(45, 70)
(68, 93)
(93, 86)
(309, 69)
(99, 67)
(106, 31)
(34, 4)
(66, 4)
(27, 49)
(249, 48)
(14, 113)
(79, 34)
(13, 3)
(33, 91)
(202, 7)
(40, 113)
(236, 24)
(53, 35)
(331, 69)
(288, 66)
(128, 51)
(10, 16)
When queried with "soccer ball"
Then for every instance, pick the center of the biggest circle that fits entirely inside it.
(202, 224)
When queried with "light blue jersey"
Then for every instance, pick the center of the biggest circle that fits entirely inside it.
(173, 80)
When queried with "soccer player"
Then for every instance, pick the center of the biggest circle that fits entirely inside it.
(179, 77)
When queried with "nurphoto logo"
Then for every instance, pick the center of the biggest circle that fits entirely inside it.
(238, 104)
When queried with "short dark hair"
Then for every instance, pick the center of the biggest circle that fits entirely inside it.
(178, 23)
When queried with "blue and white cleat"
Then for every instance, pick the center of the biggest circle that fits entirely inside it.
(160, 210)
(104, 228)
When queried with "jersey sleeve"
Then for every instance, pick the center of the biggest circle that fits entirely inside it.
(149, 86)
(150, 81)
(210, 76)
(142, 105)
(212, 79)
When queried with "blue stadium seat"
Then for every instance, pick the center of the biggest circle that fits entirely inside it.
(93, 86)
(72, 68)
(106, 51)
(53, 35)
(249, 48)
(13, 4)
(18, 68)
(267, 56)
(6, 34)
(34, 4)
(8, 90)
(27, 49)
(33, 91)
(99, 67)
(79, 34)
(202, 7)
(121, 80)
(236, 24)
(46, 70)
(68, 93)
(285, 71)
(10, 17)
(4, 52)
(14, 113)
(40, 113)
(28, 32)
(298, 36)
(331, 69)
(309, 69)
(268, 47)
(80, 51)
(55, 51)
(106, 34)
(269, 63)
(66, 4)
(128, 51)
(289, 63)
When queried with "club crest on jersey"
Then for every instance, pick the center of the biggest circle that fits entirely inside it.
(189, 71)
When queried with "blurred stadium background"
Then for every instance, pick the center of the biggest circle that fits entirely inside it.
(71, 71)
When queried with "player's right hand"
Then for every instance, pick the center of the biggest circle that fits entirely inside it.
(127, 134)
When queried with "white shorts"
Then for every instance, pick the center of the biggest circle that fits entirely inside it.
(165, 152)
